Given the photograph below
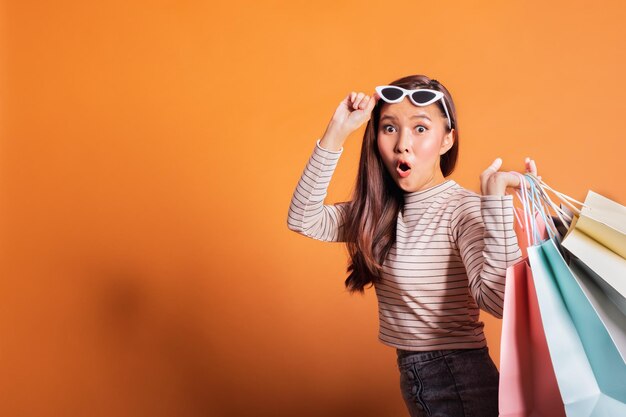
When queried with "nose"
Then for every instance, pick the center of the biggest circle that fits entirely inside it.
(403, 142)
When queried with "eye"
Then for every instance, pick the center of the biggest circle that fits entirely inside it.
(423, 127)
(387, 127)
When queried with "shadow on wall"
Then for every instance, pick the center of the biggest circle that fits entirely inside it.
(159, 337)
(153, 345)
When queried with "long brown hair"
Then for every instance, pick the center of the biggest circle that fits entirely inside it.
(370, 229)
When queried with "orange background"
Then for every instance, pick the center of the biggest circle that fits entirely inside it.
(148, 156)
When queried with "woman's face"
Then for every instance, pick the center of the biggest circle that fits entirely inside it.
(410, 140)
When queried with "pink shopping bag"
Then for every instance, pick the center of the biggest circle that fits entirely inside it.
(528, 385)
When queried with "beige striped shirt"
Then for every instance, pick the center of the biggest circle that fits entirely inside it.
(449, 259)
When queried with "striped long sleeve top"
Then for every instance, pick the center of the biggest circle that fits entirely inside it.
(449, 259)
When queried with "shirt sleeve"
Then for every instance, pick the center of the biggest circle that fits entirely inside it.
(482, 227)
(308, 215)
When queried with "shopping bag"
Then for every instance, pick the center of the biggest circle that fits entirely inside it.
(589, 370)
(613, 319)
(528, 385)
(598, 238)
(604, 220)
(596, 241)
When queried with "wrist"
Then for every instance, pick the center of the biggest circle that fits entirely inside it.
(496, 185)
(333, 138)
(496, 190)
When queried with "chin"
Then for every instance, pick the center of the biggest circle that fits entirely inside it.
(403, 186)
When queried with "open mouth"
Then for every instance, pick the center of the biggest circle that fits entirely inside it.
(403, 168)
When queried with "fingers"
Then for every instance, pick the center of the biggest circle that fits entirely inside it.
(357, 101)
(531, 166)
(495, 165)
(360, 101)
(491, 169)
(371, 103)
(487, 175)
(506, 179)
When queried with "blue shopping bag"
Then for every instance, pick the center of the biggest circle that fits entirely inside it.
(613, 318)
(590, 372)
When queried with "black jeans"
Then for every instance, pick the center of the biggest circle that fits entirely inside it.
(449, 383)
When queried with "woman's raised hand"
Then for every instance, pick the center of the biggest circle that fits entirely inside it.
(354, 110)
(494, 182)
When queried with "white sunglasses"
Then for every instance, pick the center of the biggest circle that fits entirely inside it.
(419, 97)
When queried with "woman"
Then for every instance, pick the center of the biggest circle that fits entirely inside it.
(434, 251)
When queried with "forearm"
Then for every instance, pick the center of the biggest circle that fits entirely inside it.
(308, 215)
(488, 246)
(333, 138)
(500, 251)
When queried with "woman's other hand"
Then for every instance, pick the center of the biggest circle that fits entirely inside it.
(495, 182)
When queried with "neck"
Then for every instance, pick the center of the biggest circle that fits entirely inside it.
(428, 192)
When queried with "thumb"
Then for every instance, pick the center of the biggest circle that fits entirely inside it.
(496, 164)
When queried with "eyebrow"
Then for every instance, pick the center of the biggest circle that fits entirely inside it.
(415, 116)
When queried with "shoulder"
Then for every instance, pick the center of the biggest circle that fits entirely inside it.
(462, 198)
(465, 208)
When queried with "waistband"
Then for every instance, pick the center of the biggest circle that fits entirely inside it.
(406, 357)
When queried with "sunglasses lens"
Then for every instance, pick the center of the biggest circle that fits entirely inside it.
(391, 93)
(423, 96)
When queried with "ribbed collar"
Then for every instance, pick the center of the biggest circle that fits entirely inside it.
(429, 194)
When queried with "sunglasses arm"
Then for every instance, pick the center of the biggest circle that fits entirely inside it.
(443, 100)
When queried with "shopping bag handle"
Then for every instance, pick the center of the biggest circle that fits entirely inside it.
(563, 197)
(525, 225)
(536, 200)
